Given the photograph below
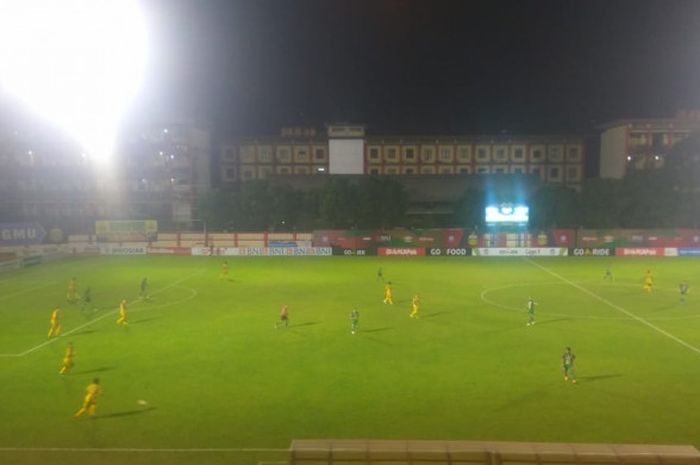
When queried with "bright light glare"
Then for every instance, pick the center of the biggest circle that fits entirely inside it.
(78, 63)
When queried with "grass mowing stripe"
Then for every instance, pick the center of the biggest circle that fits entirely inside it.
(24, 291)
(132, 449)
(50, 341)
(617, 307)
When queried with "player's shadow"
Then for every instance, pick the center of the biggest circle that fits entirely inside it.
(144, 320)
(126, 413)
(589, 379)
(307, 323)
(553, 320)
(93, 370)
(85, 331)
(378, 330)
(434, 314)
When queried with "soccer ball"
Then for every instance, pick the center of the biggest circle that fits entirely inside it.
(142, 402)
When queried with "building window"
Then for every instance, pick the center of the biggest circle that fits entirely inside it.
(483, 170)
(464, 154)
(499, 154)
(554, 173)
(573, 154)
(464, 169)
(427, 155)
(230, 174)
(499, 170)
(264, 171)
(284, 170)
(248, 154)
(637, 138)
(319, 154)
(284, 155)
(374, 153)
(391, 170)
(410, 154)
(427, 170)
(537, 154)
(518, 154)
(302, 170)
(374, 170)
(572, 173)
(301, 155)
(265, 154)
(409, 170)
(445, 170)
(483, 154)
(392, 154)
(517, 169)
(555, 153)
(446, 155)
(248, 172)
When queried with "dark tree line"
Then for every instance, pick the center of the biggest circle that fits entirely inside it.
(340, 203)
(666, 197)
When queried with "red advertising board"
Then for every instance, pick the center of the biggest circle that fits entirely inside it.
(401, 251)
(640, 251)
(564, 237)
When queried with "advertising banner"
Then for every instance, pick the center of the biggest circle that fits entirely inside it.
(354, 252)
(21, 233)
(274, 251)
(450, 252)
(169, 251)
(521, 252)
(401, 251)
(592, 252)
(689, 252)
(633, 238)
(640, 251)
(126, 231)
(123, 249)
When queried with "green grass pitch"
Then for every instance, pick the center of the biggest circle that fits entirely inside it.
(218, 377)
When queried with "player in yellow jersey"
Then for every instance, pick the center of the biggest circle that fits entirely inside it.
(68, 359)
(122, 313)
(55, 328)
(72, 293)
(388, 294)
(648, 281)
(224, 271)
(90, 400)
(416, 304)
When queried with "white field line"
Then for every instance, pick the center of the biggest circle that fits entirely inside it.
(129, 449)
(617, 307)
(101, 317)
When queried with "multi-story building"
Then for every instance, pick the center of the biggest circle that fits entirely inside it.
(346, 149)
(157, 172)
(640, 144)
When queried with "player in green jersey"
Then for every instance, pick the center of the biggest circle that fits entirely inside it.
(568, 363)
(683, 290)
(531, 311)
(354, 320)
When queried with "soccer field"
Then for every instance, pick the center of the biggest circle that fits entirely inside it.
(222, 385)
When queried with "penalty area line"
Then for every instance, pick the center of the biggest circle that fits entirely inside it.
(95, 320)
(616, 307)
(137, 449)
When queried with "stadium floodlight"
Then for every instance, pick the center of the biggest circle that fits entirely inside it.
(78, 63)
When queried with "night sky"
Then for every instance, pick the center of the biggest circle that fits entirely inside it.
(250, 67)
